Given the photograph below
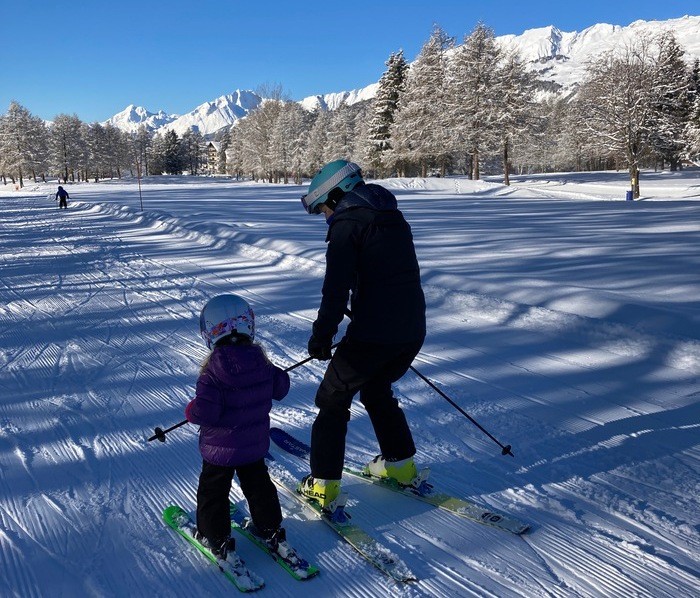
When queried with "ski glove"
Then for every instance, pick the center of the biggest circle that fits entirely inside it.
(320, 348)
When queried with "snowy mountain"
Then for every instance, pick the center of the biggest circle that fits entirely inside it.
(558, 57)
(210, 117)
(333, 101)
(132, 117)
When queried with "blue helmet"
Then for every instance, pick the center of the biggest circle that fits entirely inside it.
(339, 174)
(224, 315)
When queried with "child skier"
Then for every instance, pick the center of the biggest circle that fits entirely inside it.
(62, 196)
(234, 394)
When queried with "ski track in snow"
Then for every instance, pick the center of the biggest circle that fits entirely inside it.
(592, 378)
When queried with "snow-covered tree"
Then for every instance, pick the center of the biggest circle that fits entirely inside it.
(66, 146)
(672, 104)
(384, 107)
(288, 141)
(141, 142)
(172, 153)
(117, 149)
(419, 135)
(512, 106)
(315, 155)
(536, 150)
(23, 144)
(692, 129)
(166, 154)
(191, 145)
(234, 153)
(473, 96)
(618, 103)
(340, 139)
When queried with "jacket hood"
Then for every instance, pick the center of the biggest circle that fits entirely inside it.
(239, 365)
(370, 196)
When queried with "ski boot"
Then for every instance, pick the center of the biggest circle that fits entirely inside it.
(325, 492)
(219, 548)
(403, 472)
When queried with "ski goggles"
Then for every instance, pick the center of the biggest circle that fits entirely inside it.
(309, 210)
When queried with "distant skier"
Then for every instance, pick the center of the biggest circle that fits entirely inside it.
(62, 196)
(371, 255)
(234, 394)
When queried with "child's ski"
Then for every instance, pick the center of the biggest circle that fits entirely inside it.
(233, 567)
(424, 492)
(292, 563)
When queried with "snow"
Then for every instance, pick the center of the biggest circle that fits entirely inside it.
(564, 319)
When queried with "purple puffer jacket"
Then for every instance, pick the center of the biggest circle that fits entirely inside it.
(232, 404)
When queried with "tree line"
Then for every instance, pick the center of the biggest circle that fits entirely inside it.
(471, 109)
(72, 150)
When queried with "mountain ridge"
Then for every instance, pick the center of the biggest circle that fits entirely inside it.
(558, 57)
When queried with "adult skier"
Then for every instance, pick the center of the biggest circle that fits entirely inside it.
(371, 260)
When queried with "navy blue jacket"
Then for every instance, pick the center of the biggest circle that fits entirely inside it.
(371, 259)
(62, 193)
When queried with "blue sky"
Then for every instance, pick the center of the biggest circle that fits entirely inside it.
(93, 58)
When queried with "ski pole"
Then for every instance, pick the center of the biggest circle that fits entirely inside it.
(505, 450)
(160, 433)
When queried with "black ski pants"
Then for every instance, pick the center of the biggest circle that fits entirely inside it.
(369, 368)
(212, 499)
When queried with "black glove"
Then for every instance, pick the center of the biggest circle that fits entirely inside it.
(320, 348)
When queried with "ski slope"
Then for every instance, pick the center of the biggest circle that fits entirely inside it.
(564, 320)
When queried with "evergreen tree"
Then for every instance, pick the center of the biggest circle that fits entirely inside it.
(141, 143)
(384, 106)
(315, 154)
(692, 128)
(672, 104)
(220, 167)
(118, 149)
(172, 153)
(191, 144)
(473, 98)
(419, 135)
(341, 133)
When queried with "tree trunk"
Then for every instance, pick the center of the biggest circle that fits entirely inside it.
(634, 180)
(506, 166)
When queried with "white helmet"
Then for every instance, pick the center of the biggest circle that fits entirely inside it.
(224, 315)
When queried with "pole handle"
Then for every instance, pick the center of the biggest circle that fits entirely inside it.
(160, 433)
